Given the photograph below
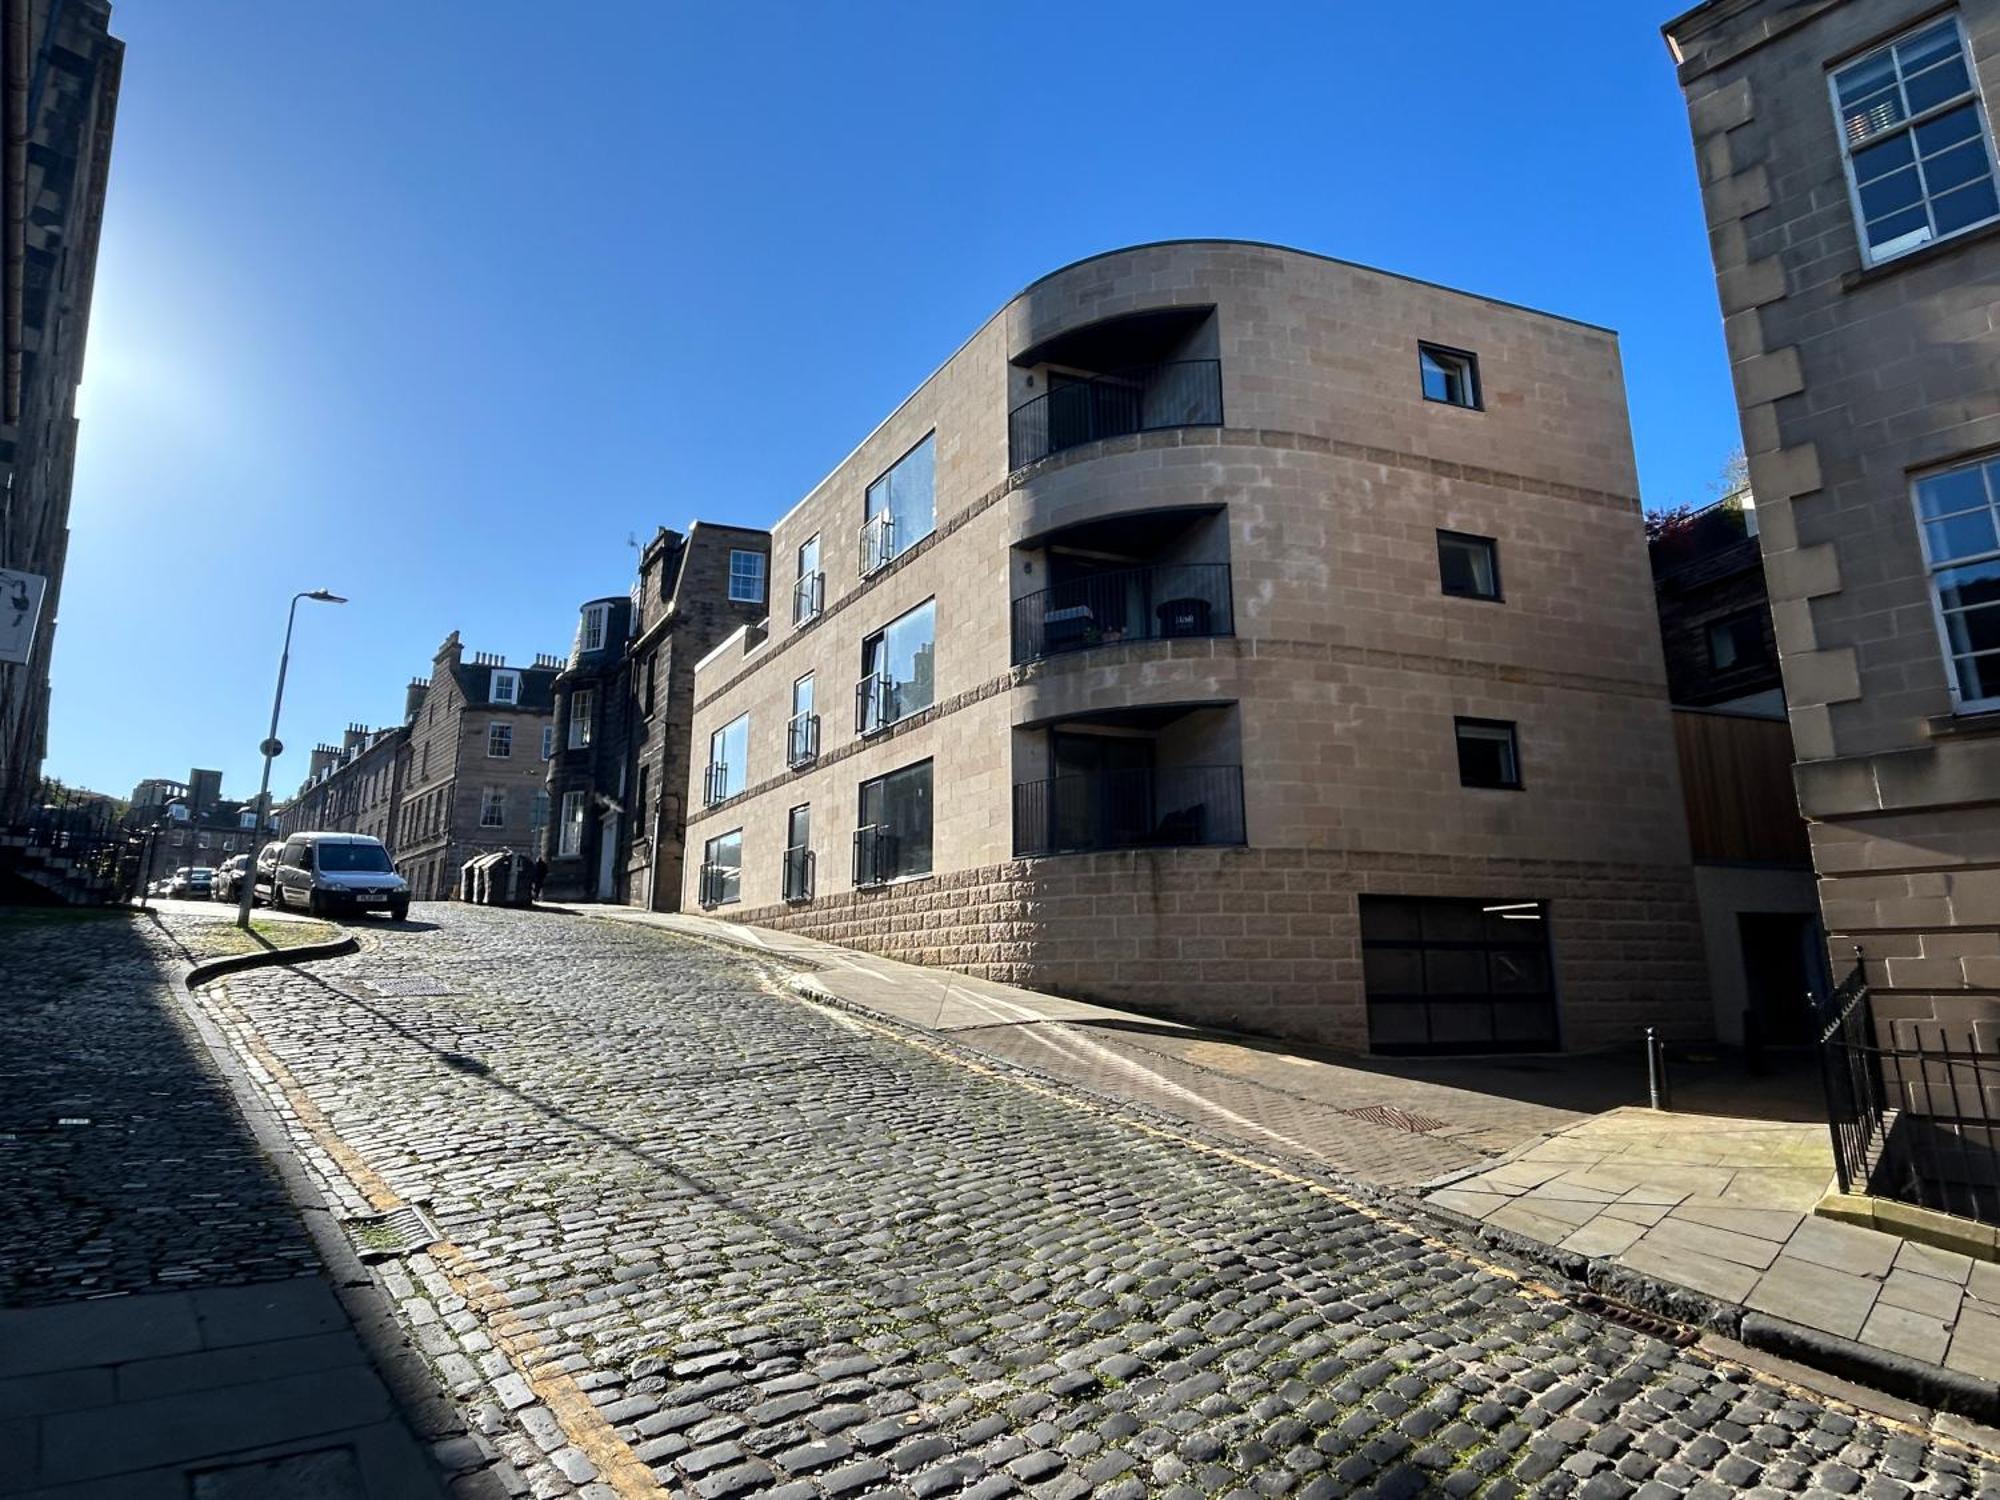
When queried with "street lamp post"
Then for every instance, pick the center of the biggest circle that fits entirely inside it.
(271, 746)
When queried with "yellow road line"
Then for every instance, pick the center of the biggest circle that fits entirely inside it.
(582, 1423)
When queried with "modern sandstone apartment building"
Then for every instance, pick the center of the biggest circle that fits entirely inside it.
(1847, 166)
(1237, 634)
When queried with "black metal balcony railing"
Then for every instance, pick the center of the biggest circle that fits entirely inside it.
(1161, 602)
(1167, 807)
(1183, 393)
(878, 542)
(714, 784)
(874, 854)
(801, 739)
(798, 873)
(808, 597)
(874, 704)
(720, 884)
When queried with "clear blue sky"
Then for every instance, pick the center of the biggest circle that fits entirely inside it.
(435, 304)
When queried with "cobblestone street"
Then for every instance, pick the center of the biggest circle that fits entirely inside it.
(701, 1235)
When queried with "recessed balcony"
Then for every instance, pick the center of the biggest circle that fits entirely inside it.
(1165, 777)
(1167, 601)
(1079, 409)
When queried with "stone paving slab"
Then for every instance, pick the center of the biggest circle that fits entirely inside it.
(1725, 1212)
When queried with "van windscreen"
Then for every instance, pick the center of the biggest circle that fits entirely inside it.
(353, 857)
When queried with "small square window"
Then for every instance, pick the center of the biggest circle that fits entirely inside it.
(1488, 754)
(1737, 641)
(1468, 566)
(1450, 376)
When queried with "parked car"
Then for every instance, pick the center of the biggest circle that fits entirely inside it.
(200, 882)
(229, 875)
(267, 872)
(329, 873)
(177, 883)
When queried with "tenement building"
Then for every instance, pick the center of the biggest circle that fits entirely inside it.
(1847, 167)
(60, 87)
(353, 787)
(618, 769)
(477, 752)
(1233, 633)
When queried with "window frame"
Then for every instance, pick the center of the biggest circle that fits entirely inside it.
(894, 546)
(510, 676)
(1492, 546)
(763, 572)
(1475, 388)
(1983, 465)
(800, 890)
(1870, 258)
(1743, 662)
(1462, 722)
(709, 862)
(549, 741)
(501, 734)
(714, 792)
(569, 827)
(493, 807)
(582, 727)
(864, 726)
(929, 767)
(814, 596)
(597, 617)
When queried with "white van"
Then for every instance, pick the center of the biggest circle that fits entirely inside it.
(329, 873)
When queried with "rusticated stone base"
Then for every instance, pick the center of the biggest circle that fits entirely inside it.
(1268, 940)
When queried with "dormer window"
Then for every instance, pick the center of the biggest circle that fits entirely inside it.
(506, 686)
(596, 621)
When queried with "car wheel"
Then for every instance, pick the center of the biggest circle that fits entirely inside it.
(400, 912)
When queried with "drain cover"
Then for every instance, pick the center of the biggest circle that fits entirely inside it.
(1397, 1119)
(408, 985)
(400, 1231)
(1637, 1319)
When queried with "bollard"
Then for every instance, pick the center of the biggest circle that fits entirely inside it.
(1656, 1072)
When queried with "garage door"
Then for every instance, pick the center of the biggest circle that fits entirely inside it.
(1457, 975)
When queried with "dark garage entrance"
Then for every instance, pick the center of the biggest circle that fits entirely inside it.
(1457, 976)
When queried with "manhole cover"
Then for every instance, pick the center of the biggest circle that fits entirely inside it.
(409, 985)
(1397, 1119)
(400, 1231)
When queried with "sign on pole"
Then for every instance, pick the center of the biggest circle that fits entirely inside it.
(20, 608)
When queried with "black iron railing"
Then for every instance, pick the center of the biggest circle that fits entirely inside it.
(798, 873)
(874, 854)
(1182, 393)
(878, 542)
(808, 595)
(801, 739)
(720, 884)
(1167, 807)
(101, 857)
(1912, 1116)
(1134, 604)
(874, 704)
(714, 784)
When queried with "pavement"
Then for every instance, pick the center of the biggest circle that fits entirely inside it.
(699, 1233)
(168, 1324)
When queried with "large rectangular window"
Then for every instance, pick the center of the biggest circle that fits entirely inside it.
(728, 754)
(894, 839)
(1958, 512)
(582, 717)
(596, 618)
(746, 577)
(569, 837)
(493, 807)
(1919, 165)
(1457, 975)
(722, 869)
(499, 741)
(900, 509)
(802, 730)
(897, 676)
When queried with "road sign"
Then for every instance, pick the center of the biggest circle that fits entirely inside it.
(272, 748)
(20, 609)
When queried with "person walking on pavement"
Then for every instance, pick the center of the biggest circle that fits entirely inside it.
(537, 873)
